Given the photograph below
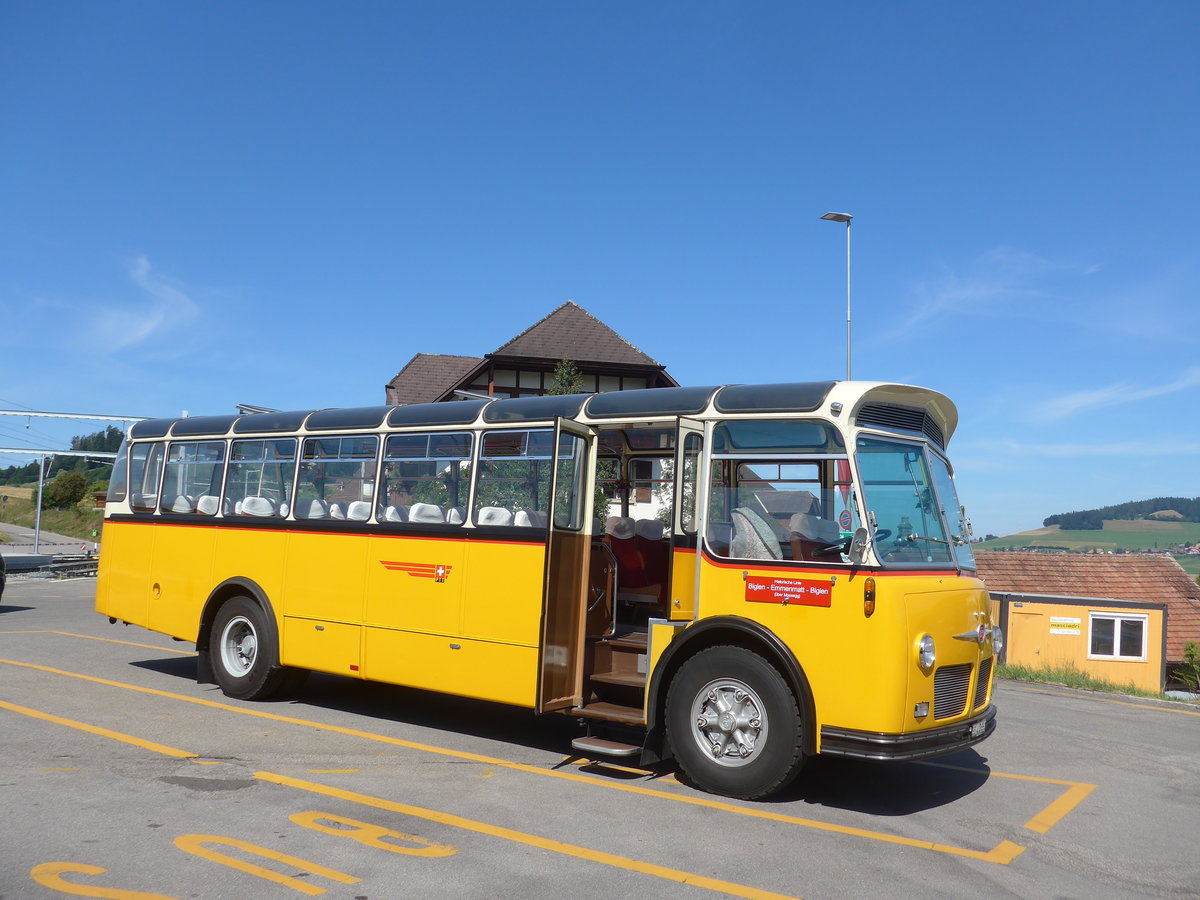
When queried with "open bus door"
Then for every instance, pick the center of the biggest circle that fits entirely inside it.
(568, 550)
(689, 457)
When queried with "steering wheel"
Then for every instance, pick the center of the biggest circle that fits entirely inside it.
(843, 546)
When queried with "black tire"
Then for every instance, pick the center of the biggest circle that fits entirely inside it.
(734, 724)
(245, 657)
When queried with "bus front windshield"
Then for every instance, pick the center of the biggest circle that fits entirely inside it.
(902, 499)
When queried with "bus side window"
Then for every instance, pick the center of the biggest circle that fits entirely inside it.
(259, 482)
(426, 478)
(145, 466)
(514, 477)
(337, 478)
(193, 477)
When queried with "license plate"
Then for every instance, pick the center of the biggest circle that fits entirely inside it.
(978, 729)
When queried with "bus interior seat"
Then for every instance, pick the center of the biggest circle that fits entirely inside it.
(208, 504)
(529, 518)
(494, 515)
(284, 508)
(337, 509)
(358, 511)
(809, 533)
(181, 503)
(312, 509)
(753, 538)
(426, 512)
(395, 514)
(257, 506)
(619, 527)
(455, 515)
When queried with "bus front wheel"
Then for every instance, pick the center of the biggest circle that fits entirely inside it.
(734, 724)
(244, 656)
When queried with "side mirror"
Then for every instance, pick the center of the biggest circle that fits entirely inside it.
(858, 546)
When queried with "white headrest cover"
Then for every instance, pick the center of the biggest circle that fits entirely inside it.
(258, 506)
(426, 512)
(619, 527)
(312, 509)
(650, 529)
(494, 515)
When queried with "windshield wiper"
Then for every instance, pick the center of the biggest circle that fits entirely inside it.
(920, 537)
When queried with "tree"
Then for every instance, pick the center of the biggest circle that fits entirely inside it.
(567, 379)
(65, 491)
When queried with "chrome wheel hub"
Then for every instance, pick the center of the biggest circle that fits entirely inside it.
(239, 646)
(730, 724)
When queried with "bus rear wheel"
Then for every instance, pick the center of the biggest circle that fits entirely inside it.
(244, 657)
(734, 724)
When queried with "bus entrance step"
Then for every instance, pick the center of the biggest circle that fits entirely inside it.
(627, 679)
(592, 747)
(610, 712)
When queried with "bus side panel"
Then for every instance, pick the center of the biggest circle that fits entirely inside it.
(453, 665)
(855, 665)
(683, 585)
(415, 584)
(503, 593)
(122, 591)
(324, 576)
(322, 601)
(256, 554)
(180, 578)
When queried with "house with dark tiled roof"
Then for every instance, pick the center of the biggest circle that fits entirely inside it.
(525, 365)
(1098, 610)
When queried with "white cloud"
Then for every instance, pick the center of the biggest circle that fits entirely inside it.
(1112, 395)
(994, 282)
(118, 327)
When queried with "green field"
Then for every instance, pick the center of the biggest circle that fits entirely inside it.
(1117, 534)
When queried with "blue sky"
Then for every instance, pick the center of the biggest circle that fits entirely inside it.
(280, 203)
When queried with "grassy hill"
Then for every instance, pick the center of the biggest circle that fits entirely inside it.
(1117, 534)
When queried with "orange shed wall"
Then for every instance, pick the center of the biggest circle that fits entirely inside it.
(1030, 641)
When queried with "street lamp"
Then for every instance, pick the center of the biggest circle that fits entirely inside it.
(844, 217)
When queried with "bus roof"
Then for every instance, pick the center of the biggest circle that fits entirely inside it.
(877, 404)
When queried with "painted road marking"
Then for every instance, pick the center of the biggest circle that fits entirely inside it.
(95, 729)
(1003, 853)
(1053, 813)
(521, 837)
(89, 637)
(195, 843)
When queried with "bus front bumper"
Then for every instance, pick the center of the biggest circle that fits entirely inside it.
(907, 747)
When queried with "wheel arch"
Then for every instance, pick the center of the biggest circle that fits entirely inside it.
(733, 631)
(227, 589)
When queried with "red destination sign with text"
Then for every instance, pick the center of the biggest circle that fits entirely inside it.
(788, 591)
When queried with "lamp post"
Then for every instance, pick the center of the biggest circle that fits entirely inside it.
(844, 217)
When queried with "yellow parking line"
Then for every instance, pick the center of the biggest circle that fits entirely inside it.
(521, 837)
(1054, 812)
(95, 729)
(90, 637)
(610, 859)
(1003, 853)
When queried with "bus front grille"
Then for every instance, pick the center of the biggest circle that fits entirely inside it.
(950, 685)
(981, 686)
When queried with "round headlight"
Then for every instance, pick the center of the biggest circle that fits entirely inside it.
(926, 653)
(997, 640)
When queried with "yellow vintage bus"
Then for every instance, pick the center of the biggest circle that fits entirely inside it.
(736, 577)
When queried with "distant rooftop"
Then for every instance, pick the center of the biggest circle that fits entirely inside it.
(1140, 577)
(569, 332)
